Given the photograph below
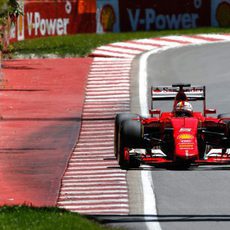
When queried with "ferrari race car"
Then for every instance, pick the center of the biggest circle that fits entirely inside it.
(182, 137)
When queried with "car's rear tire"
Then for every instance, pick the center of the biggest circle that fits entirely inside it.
(118, 121)
(226, 117)
(227, 122)
(130, 136)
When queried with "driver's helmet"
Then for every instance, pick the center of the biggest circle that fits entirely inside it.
(183, 109)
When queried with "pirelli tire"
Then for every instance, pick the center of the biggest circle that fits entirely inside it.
(130, 136)
(120, 117)
(226, 120)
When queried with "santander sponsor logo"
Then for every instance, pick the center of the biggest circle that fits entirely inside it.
(46, 26)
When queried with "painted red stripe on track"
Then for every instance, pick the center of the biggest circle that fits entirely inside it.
(105, 150)
(108, 62)
(101, 139)
(114, 78)
(120, 203)
(93, 167)
(32, 167)
(92, 111)
(172, 40)
(74, 187)
(100, 144)
(204, 38)
(100, 84)
(96, 108)
(90, 199)
(113, 180)
(95, 183)
(108, 139)
(94, 176)
(91, 162)
(109, 73)
(104, 213)
(88, 132)
(116, 52)
(108, 93)
(93, 193)
(93, 157)
(93, 189)
(109, 68)
(68, 180)
(147, 43)
(77, 174)
(128, 48)
(113, 209)
(94, 171)
(93, 55)
(105, 89)
(101, 103)
(109, 117)
(96, 128)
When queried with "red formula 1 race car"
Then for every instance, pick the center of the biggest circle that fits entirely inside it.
(181, 137)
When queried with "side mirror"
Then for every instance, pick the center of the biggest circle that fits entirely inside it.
(210, 111)
(155, 111)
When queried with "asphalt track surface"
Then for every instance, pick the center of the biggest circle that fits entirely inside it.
(41, 105)
(197, 198)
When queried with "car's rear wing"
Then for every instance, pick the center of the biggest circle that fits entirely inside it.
(162, 93)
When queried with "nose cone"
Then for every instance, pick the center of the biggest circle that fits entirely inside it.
(185, 138)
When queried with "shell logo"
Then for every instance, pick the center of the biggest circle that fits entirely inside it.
(223, 14)
(185, 136)
(107, 18)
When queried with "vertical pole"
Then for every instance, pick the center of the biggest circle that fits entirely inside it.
(204, 88)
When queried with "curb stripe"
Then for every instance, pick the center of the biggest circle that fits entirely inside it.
(169, 39)
(206, 38)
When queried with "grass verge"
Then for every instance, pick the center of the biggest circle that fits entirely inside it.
(82, 44)
(23, 218)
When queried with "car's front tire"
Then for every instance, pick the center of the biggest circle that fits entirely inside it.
(120, 117)
(130, 136)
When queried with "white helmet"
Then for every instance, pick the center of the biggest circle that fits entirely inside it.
(183, 108)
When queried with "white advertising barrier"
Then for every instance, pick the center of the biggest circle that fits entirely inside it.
(220, 13)
(107, 16)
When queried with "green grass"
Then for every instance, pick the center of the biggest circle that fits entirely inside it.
(27, 218)
(81, 45)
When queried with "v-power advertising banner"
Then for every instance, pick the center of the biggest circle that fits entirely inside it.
(61, 17)
(146, 15)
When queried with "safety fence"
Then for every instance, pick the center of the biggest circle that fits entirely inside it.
(62, 17)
